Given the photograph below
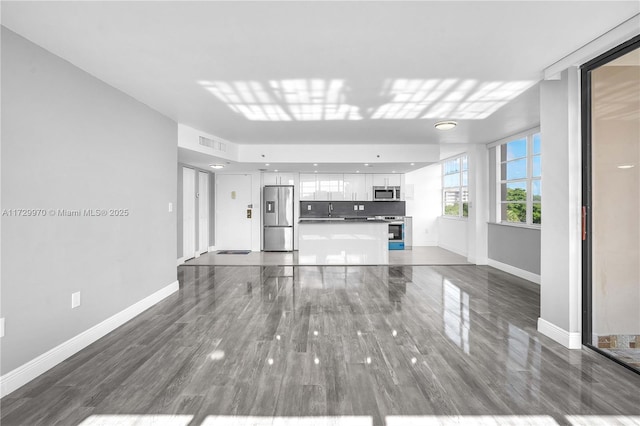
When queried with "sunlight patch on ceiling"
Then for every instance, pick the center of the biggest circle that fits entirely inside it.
(335, 99)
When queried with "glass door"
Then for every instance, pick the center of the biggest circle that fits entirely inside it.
(611, 213)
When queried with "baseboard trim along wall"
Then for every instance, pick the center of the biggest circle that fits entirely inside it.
(37, 366)
(560, 335)
(526, 275)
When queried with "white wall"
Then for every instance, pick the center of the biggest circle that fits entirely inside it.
(348, 153)
(70, 141)
(452, 235)
(560, 262)
(424, 203)
(189, 138)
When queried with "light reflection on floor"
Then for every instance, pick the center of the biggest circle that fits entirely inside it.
(184, 420)
(137, 420)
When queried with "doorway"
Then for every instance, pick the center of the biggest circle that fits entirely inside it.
(233, 212)
(611, 197)
(203, 212)
(188, 213)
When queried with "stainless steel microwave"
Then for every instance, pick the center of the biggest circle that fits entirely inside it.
(386, 193)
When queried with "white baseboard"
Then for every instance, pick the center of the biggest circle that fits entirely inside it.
(560, 335)
(478, 260)
(32, 369)
(452, 249)
(529, 276)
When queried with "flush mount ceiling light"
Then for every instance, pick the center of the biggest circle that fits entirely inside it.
(445, 125)
(216, 166)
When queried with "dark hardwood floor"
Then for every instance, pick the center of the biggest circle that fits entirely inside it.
(273, 345)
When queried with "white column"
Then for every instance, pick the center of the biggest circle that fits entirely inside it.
(561, 257)
(477, 239)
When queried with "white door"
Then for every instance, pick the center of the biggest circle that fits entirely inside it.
(233, 198)
(188, 213)
(203, 212)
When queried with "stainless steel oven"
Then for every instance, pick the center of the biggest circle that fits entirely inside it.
(386, 193)
(396, 232)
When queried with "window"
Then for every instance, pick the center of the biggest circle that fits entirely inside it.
(520, 181)
(455, 191)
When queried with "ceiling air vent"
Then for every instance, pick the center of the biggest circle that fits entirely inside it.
(215, 145)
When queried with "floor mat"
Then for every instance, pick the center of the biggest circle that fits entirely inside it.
(234, 252)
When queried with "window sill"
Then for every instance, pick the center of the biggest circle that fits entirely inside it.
(459, 218)
(517, 225)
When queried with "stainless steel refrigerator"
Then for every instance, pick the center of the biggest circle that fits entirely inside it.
(277, 218)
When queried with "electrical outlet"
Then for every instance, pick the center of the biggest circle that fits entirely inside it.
(1, 327)
(75, 300)
(170, 207)
(308, 206)
(361, 207)
(355, 207)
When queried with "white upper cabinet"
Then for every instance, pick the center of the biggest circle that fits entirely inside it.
(347, 187)
(308, 186)
(392, 179)
(278, 178)
(355, 187)
(330, 187)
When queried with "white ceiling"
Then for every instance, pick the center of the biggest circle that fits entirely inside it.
(324, 72)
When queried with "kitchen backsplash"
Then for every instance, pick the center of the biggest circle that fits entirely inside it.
(346, 208)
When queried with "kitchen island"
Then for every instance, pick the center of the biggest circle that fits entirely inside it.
(343, 242)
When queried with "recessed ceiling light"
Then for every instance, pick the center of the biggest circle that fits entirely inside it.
(266, 164)
(445, 125)
(357, 171)
(315, 164)
(275, 170)
(393, 171)
(366, 164)
(216, 166)
(626, 166)
(413, 164)
(315, 171)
